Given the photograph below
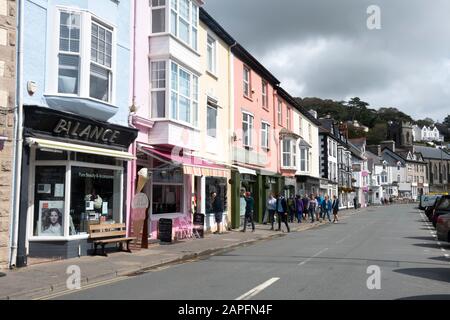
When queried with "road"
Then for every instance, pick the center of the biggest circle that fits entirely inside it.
(329, 262)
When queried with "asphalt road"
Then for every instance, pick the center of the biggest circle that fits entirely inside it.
(329, 262)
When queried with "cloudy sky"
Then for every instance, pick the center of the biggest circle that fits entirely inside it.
(323, 48)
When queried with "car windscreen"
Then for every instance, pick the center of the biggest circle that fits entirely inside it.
(444, 204)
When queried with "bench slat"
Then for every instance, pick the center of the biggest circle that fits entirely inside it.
(102, 227)
(108, 234)
(115, 240)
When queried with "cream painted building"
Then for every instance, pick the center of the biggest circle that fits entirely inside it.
(216, 113)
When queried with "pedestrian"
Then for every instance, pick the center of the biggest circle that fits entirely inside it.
(282, 212)
(319, 210)
(291, 208)
(382, 201)
(272, 208)
(305, 201)
(312, 207)
(299, 208)
(249, 207)
(391, 200)
(217, 208)
(355, 203)
(327, 207)
(335, 207)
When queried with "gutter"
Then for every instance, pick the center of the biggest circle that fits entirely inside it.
(18, 140)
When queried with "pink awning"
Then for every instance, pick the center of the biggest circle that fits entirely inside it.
(191, 165)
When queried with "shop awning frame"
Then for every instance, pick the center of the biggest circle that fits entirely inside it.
(191, 165)
(243, 170)
(64, 146)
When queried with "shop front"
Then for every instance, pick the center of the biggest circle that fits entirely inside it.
(308, 185)
(181, 185)
(73, 176)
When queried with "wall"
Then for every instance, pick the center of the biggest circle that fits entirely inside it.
(7, 103)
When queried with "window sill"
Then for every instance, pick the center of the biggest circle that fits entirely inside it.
(212, 74)
(266, 109)
(248, 98)
(248, 148)
(181, 123)
(52, 239)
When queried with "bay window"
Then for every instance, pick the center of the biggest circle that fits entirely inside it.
(184, 21)
(158, 89)
(184, 95)
(289, 153)
(86, 75)
(304, 159)
(158, 16)
(247, 129)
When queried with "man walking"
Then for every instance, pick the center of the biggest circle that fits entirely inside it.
(305, 201)
(312, 207)
(299, 208)
(355, 203)
(217, 208)
(282, 212)
(249, 205)
(335, 207)
(272, 207)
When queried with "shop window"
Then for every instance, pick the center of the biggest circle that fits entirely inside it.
(167, 199)
(219, 186)
(42, 155)
(95, 197)
(49, 198)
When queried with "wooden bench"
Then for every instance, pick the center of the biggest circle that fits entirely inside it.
(103, 234)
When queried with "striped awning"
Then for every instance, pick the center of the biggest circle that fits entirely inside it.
(191, 165)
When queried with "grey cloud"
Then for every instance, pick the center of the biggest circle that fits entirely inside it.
(395, 66)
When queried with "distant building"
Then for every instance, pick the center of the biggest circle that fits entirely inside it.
(426, 133)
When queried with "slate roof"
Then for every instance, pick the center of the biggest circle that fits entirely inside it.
(432, 153)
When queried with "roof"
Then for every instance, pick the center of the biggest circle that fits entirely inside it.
(432, 153)
(286, 96)
(216, 27)
(238, 50)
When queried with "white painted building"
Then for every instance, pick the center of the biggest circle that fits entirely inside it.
(426, 133)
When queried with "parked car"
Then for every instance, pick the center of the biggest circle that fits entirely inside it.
(430, 208)
(442, 208)
(443, 227)
(427, 201)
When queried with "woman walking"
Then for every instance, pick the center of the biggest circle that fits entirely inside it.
(299, 206)
(312, 207)
(327, 207)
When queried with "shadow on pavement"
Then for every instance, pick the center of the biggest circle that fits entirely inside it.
(428, 297)
(440, 259)
(421, 238)
(438, 274)
(428, 245)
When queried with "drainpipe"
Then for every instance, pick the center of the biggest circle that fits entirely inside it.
(18, 140)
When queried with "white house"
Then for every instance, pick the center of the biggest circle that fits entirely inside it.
(427, 134)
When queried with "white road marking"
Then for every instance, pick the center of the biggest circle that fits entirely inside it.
(258, 289)
(314, 256)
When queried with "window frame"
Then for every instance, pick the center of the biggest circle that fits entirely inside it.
(250, 126)
(159, 7)
(265, 131)
(213, 47)
(280, 112)
(192, 27)
(290, 155)
(208, 132)
(265, 94)
(86, 20)
(247, 83)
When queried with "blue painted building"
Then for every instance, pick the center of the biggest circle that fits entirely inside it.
(76, 98)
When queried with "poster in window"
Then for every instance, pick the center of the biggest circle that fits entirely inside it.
(51, 218)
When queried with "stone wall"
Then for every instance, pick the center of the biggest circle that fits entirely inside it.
(7, 103)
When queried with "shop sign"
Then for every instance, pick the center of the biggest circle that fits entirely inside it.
(139, 208)
(165, 230)
(199, 224)
(47, 122)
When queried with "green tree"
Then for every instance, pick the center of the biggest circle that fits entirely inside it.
(447, 121)
(377, 134)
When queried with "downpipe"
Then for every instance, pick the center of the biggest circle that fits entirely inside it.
(18, 140)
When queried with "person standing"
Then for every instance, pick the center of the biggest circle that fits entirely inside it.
(305, 201)
(217, 209)
(355, 203)
(282, 212)
(291, 208)
(299, 208)
(335, 207)
(249, 207)
(272, 207)
(312, 207)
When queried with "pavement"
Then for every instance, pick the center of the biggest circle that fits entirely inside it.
(49, 278)
(384, 253)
